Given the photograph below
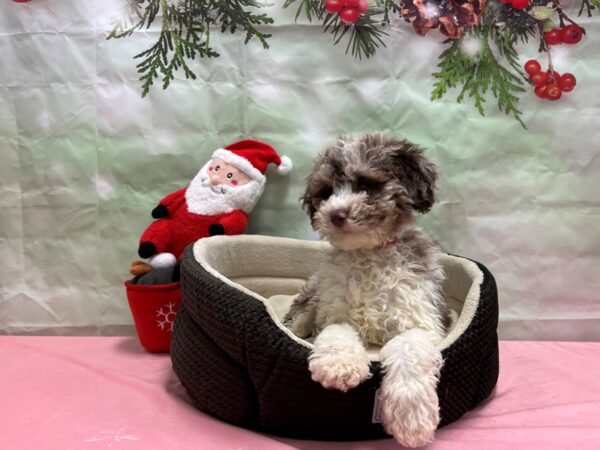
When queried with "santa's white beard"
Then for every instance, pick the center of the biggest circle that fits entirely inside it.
(206, 199)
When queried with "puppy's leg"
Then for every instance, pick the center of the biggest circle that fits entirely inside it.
(303, 312)
(339, 359)
(408, 391)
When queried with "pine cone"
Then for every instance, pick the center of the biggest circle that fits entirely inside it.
(451, 16)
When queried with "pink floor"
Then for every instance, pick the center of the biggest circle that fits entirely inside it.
(98, 392)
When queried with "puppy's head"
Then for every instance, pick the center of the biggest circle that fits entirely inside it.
(365, 188)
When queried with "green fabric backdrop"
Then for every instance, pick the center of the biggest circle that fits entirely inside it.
(83, 160)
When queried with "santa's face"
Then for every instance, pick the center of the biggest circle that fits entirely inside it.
(220, 172)
(220, 187)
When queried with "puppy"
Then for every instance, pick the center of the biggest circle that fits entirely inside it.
(382, 283)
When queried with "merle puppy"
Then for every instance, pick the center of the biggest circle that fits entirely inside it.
(382, 284)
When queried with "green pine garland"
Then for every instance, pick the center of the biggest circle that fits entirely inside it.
(477, 75)
(495, 67)
(482, 72)
(589, 6)
(500, 29)
(185, 33)
(364, 37)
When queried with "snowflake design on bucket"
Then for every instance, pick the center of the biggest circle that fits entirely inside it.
(166, 316)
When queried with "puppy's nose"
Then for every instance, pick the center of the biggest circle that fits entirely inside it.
(338, 217)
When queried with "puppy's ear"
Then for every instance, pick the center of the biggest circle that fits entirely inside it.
(306, 201)
(318, 184)
(417, 174)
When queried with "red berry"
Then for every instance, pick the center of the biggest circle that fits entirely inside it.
(540, 90)
(519, 4)
(539, 78)
(349, 15)
(553, 76)
(571, 34)
(532, 66)
(363, 5)
(351, 4)
(553, 37)
(334, 6)
(553, 91)
(567, 82)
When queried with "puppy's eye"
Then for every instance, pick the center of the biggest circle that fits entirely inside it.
(322, 194)
(367, 185)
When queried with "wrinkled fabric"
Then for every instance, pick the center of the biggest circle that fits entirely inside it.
(84, 159)
(82, 392)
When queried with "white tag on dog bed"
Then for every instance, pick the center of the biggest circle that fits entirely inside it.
(377, 408)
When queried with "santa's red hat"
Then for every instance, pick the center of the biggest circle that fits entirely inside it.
(252, 157)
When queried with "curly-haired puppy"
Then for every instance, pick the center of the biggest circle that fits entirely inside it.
(382, 284)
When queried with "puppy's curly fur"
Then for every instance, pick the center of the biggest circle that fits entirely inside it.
(382, 284)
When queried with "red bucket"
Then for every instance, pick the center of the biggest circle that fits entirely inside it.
(154, 308)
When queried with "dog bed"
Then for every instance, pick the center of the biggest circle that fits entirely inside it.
(239, 363)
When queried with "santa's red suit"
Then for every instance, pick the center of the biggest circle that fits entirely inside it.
(174, 232)
(212, 204)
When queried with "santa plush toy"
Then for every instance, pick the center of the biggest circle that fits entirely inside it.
(217, 201)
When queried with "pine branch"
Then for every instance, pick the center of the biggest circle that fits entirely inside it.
(232, 15)
(516, 23)
(145, 19)
(364, 37)
(389, 8)
(185, 34)
(589, 6)
(482, 72)
(309, 8)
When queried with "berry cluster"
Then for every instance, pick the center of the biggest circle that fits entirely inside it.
(349, 10)
(571, 34)
(517, 4)
(549, 84)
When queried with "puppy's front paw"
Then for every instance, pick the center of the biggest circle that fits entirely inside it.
(410, 415)
(338, 369)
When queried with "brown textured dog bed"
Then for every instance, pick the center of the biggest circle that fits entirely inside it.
(238, 362)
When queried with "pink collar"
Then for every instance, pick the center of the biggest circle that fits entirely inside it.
(387, 244)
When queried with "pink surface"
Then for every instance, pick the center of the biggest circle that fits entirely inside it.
(99, 392)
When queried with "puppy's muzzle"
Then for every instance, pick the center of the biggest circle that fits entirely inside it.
(338, 217)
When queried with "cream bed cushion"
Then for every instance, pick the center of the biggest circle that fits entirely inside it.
(285, 264)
